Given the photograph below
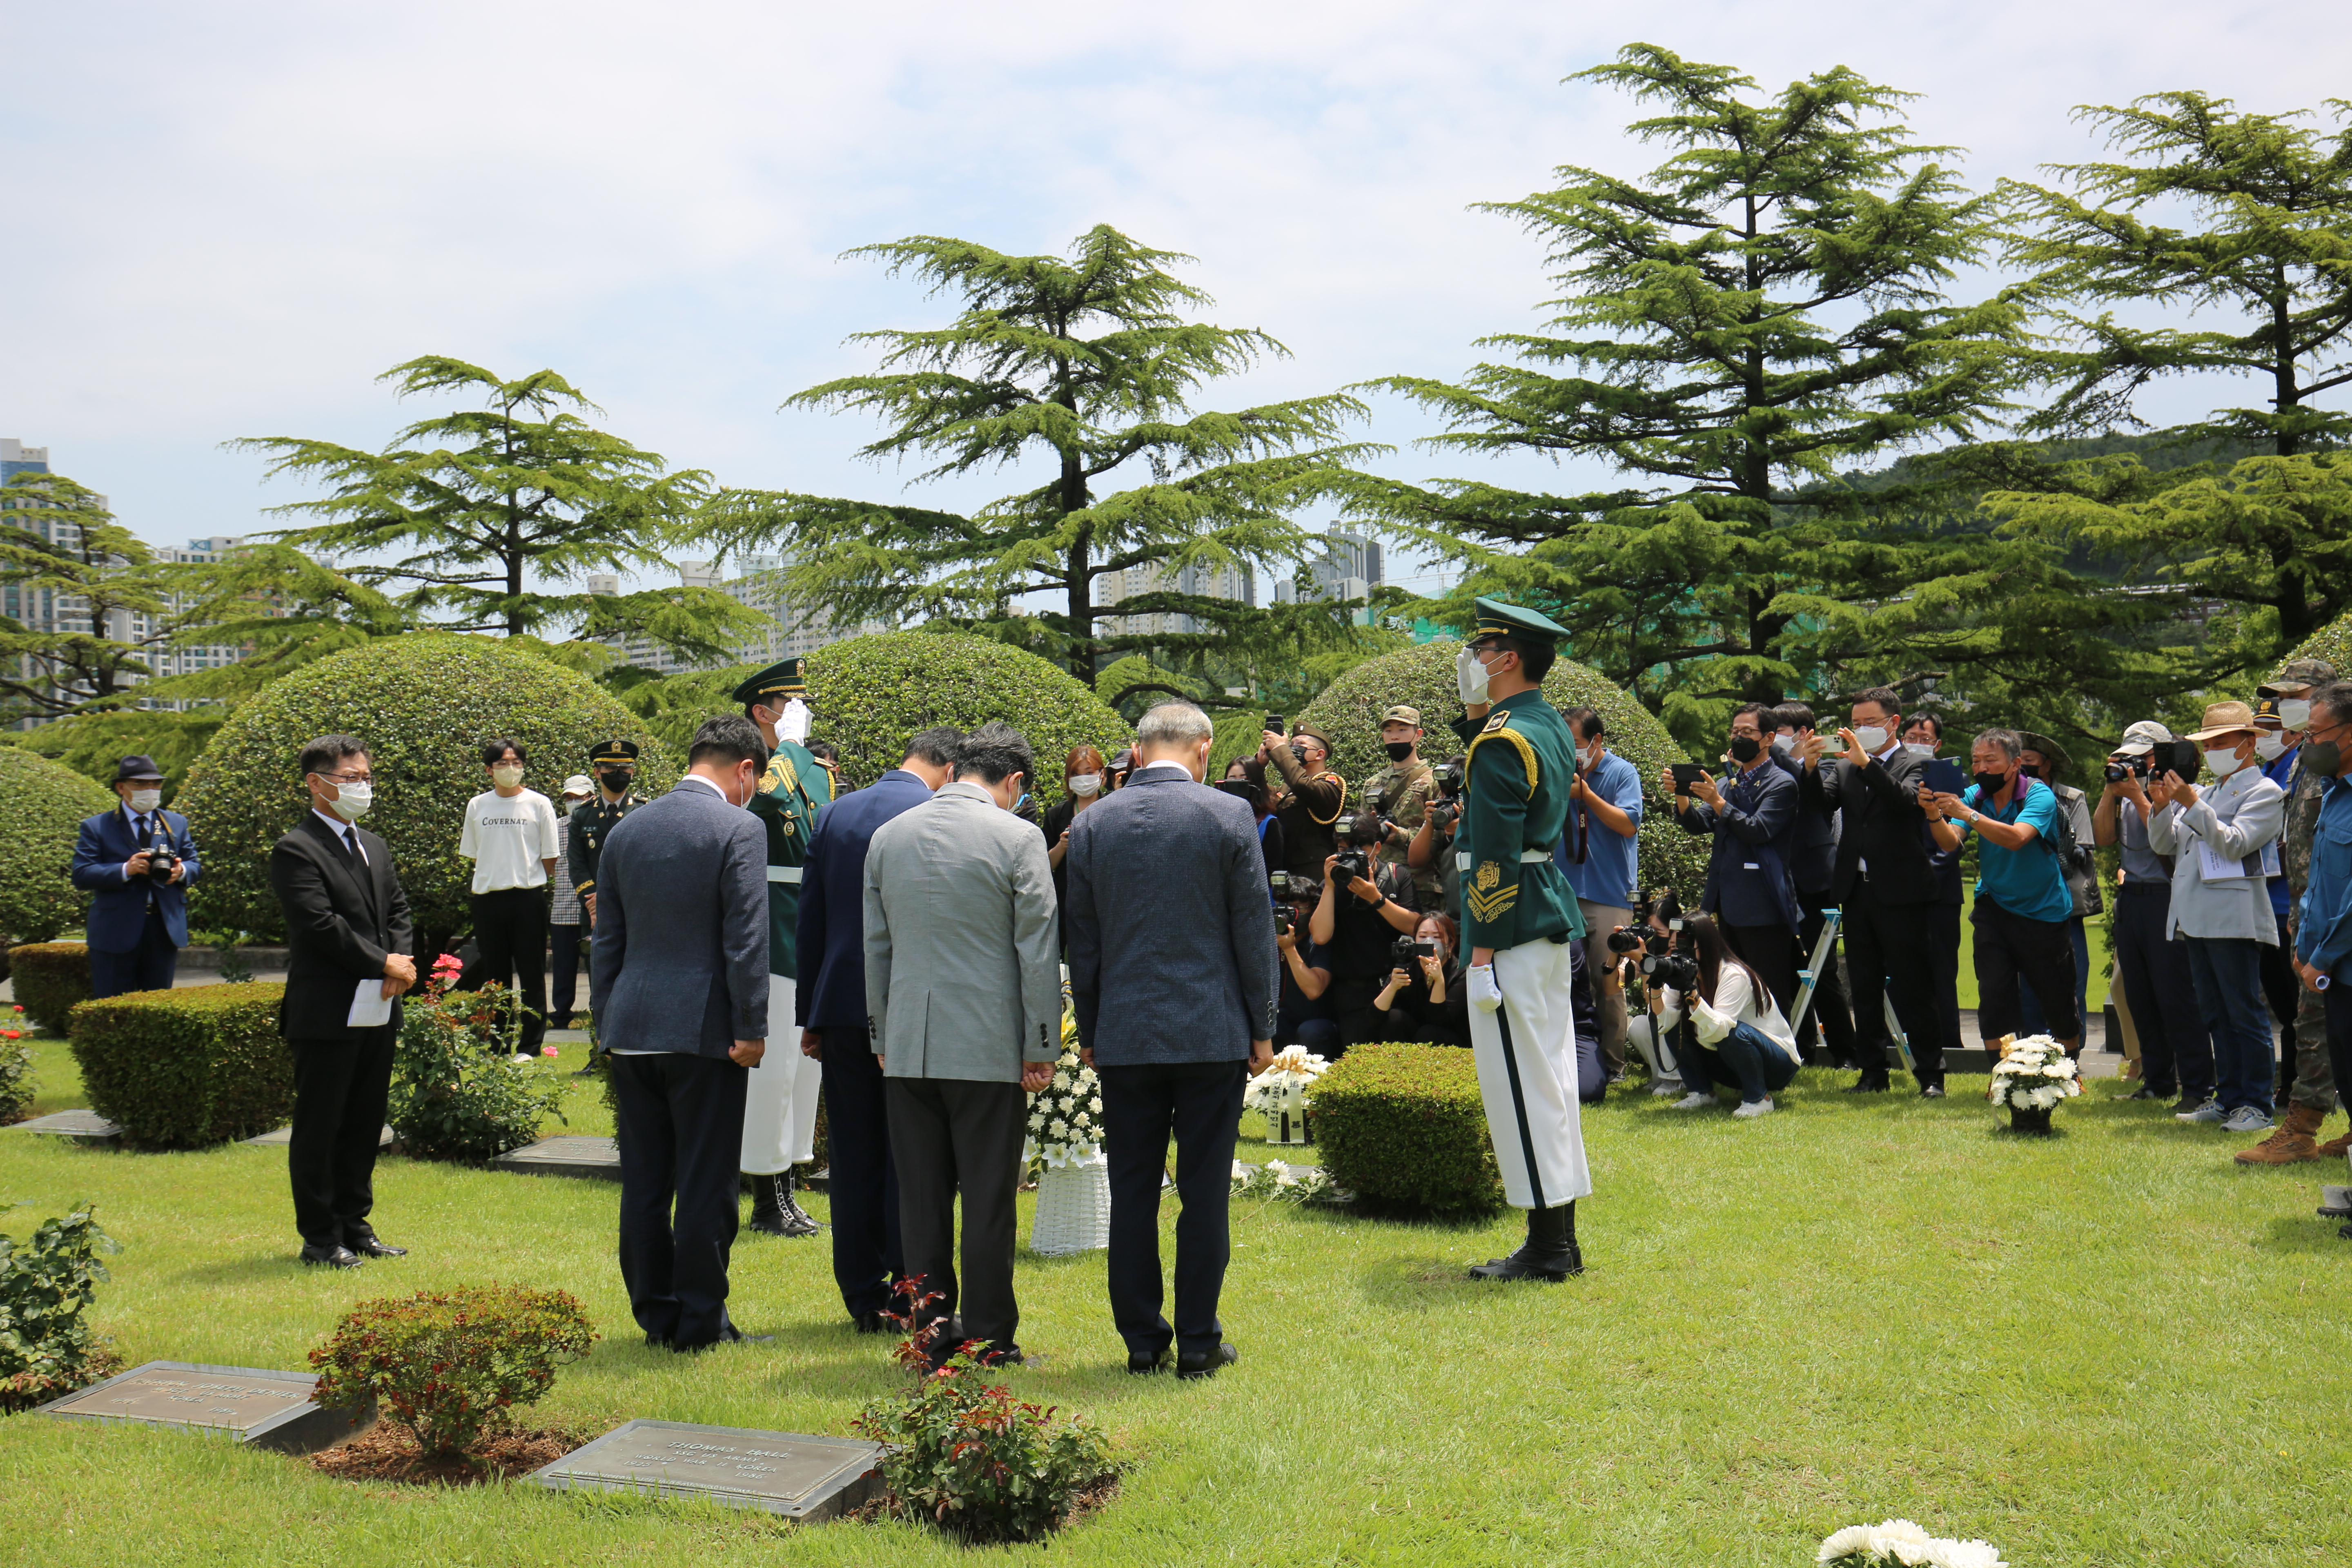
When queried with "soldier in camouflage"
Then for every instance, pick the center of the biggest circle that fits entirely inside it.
(1401, 793)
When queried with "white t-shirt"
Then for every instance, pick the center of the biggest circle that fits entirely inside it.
(1735, 1001)
(507, 837)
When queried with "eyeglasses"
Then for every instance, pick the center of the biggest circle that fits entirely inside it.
(348, 778)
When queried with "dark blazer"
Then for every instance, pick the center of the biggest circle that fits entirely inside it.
(1812, 853)
(1171, 939)
(341, 919)
(832, 935)
(1880, 823)
(119, 912)
(679, 961)
(1747, 876)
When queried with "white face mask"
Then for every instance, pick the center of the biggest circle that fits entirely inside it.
(1469, 677)
(505, 775)
(2269, 747)
(1784, 743)
(1085, 784)
(1872, 739)
(2222, 762)
(145, 800)
(1919, 748)
(351, 801)
(2294, 713)
(1591, 756)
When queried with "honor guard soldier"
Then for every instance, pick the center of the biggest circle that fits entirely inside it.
(614, 763)
(1519, 916)
(780, 1108)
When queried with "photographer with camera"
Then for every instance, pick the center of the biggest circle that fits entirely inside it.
(2222, 844)
(1270, 846)
(2071, 835)
(2021, 902)
(1598, 856)
(1366, 905)
(1721, 1017)
(1432, 849)
(1637, 950)
(2176, 1052)
(1307, 797)
(1812, 865)
(1753, 823)
(1304, 1014)
(137, 861)
(1424, 1001)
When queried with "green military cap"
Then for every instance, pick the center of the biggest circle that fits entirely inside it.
(782, 678)
(611, 751)
(2299, 676)
(1496, 618)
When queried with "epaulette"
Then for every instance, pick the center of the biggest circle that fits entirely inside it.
(1501, 718)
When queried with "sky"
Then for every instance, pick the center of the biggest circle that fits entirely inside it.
(226, 220)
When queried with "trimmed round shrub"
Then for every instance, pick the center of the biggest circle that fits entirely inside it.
(1402, 1126)
(2332, 642)
(41, 808)
(424, 703)
(186, 1068)
(450, 1366)
(49, 978)
(1349, 710)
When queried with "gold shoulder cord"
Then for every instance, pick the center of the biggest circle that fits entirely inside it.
(1527, 754)
(1336, 810)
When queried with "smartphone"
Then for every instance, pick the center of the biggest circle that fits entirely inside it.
(1686, 774)
(1274, 722)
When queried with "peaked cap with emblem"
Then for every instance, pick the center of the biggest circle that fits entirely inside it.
(1496, 618)
(782, 678)
(611, 751)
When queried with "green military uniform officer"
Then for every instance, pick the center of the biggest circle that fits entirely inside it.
(1519, 921)
(780, 1101)
(614, 763)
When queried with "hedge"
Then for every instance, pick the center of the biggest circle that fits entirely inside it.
(1403, 1126)
(49, 978)
(424, 702)
(870, 695)
(1349, 710)
(181, 1069)
(41, 808)
(2332, 642)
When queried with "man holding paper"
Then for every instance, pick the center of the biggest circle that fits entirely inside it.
(348, 960)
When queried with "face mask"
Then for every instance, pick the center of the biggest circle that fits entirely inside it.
(1784, 744)
(617, 780)
(1085, 784)
(2324, 758)
(1991, 783)
(1398, 751)
(1745, 747)
(146, 799)
(2294, 713)
(1299, 751)
(1872, 739)
(2269, 747)
(2223, 763)
(2028, 770)
(505, 775)
(351, 801)
(1469, 677)
(1590, 758)
(569, 806)
(1919, 748)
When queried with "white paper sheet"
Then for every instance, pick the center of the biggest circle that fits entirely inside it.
(370, 1008)
(2215, 866)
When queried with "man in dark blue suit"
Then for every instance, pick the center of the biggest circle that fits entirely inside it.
(1173, 970)
(678, 985)
(831, 1010)
(1752, 816)
(137, 861)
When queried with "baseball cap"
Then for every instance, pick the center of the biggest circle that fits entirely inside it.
(1400, 714)
(2145, 737)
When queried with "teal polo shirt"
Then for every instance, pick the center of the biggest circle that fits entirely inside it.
(2027, 881)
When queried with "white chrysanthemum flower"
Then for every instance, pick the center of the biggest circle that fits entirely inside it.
(1061, 1080)
(1970, 1555)
(1888, 1533)
(1095, 1105)
(1850, 1541)
(1083, 1119)
(1059, 1127)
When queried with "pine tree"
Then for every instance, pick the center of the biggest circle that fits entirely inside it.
(109, 603)
(1088, 362)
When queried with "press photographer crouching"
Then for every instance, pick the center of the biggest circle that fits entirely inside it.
(1643, 953)
(1365, 907)
(1423, 1000)
(1723, 1024)
(1304, 1015)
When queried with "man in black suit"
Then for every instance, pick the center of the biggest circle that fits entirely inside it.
(678, 985)
(1883, 884)
(348, 960)
(1173, 969)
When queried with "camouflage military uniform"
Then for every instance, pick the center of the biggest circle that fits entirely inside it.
(1401, 793)
(2315, 1079)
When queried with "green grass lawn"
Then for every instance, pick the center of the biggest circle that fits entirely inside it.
(2110, 1347)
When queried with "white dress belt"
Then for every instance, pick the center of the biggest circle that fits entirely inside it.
(783, 873)
(1527, 857)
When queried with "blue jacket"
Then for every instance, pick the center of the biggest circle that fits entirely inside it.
(118, 912)
(1748, 879)
(831, 932)
(1171, 940)
(679, 962)
(2322, 930)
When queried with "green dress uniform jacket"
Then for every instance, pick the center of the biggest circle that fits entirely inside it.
(795, 787)
(591, 825)
(1522, 760)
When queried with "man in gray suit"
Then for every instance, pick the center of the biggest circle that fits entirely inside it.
(964, 985)
(1173, 968)
(678, 985)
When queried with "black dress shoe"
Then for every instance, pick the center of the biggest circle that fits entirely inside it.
(1205, 1365)
(332, 1256)
(372, 1246)
(1142, 1361)
(1865, 1085)
(873, 1323)
(1933, 1092)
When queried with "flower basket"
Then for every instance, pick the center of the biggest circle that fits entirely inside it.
(1279, 1094)
(2032, 1076)
(2024, 1119)
(1073, 1208)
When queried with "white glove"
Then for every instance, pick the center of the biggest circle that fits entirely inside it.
(1485, 995)
(1469, 678)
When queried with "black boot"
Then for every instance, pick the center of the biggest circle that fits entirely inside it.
(797, 1221)
(767, 1197)
(1550, 1253)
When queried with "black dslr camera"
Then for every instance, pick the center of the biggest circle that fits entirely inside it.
(161, 861)
(1406, 954)
(2182, 757)
(2135, 768)
(1446, 809)
(1676, 971)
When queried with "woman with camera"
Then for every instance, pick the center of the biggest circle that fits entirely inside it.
(1737, 1034)
(1424, 998)
(1366, 905)
(1303, 1015)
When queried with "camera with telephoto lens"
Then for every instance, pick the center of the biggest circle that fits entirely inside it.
(1676, 970)
(1626, 941)
(1351, 864)
(2135, 768)
(1406, 953)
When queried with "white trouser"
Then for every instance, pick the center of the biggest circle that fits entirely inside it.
(779, 1104)
(1526, 1051)
(1641, 1034)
